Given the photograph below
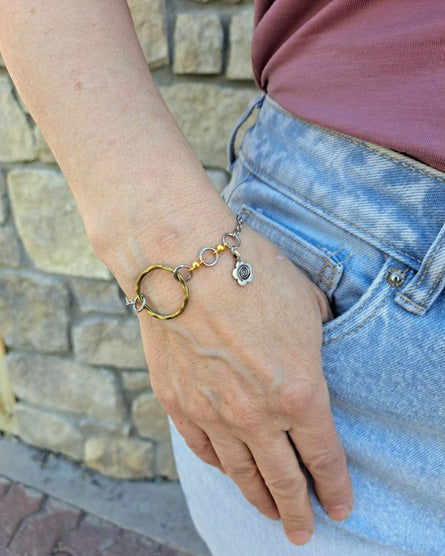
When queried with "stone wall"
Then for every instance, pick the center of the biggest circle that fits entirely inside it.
(73, 352)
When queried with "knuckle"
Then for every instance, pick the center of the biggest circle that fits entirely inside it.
(286, 487)
(326, 462)
(167, 399)
(299, 397)
(243, 473)
(199, 446)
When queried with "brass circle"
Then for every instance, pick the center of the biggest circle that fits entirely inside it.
(151, 311)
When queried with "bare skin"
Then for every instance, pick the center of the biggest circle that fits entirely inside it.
(240, 371)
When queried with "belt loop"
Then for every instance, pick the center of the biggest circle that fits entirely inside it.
(419, 293)
(254, 103)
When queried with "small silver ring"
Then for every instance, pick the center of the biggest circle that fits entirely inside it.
(143, 304)
(235, 236)
(214, 251)
(176, 271)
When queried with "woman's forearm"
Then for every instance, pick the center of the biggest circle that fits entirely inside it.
(80, 71)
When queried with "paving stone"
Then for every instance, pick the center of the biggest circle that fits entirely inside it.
(49, 223)
(241, 30)
(10, 250)
(5, 484)
(223, 1)
(47, 430)
(91, 538)
(130, 543)
(16, 137)
(198, 41)
(124, 458)
(66, 385)
(107, 341)
(206, 114)
(149, 22)
(150, 418)
(17, 503)
(99, 296)
(38, 534)
(34, 311)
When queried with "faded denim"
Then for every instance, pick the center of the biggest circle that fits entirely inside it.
(348, 213)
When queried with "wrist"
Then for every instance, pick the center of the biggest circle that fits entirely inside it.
(170, 237)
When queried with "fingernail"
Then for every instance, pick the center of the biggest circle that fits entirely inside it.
(338, 513)
(272, 513)
(299, 537)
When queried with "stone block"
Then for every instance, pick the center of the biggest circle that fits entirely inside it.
(33, 312)
(165, 461)
(136, 381)
(149, 22)
(123, 458)
(98, 296)
(206, 114)
(43, 151)
(94, 427)
(47, 430)
(65, 385)
(198, 42)
(241, 30)
(150, 418)
(3, 199)
(107, 341)
(49, 223)
(10, 249)
(16, 137)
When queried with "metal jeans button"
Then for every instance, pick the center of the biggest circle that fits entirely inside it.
(395, 277)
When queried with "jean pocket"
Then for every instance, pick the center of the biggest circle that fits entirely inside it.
(326, 267)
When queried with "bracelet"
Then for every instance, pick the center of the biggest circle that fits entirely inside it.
(242, 273)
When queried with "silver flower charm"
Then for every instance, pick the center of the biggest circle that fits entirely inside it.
(243, 272)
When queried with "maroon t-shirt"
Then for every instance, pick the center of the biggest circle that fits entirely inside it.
(374, 69)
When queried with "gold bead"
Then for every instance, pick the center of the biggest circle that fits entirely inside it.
(220, 247)
(195, 265)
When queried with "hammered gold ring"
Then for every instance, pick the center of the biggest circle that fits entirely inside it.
(140, 297)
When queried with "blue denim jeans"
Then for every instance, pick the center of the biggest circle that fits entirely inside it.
(366, 224)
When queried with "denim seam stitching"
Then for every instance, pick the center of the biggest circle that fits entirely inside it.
(261, 173)
(422, 276)
(361, 143)
(425, 299)
(416, 305)
(377, 308)
(290, 236)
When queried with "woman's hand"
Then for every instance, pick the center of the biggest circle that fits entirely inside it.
(240, 374)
